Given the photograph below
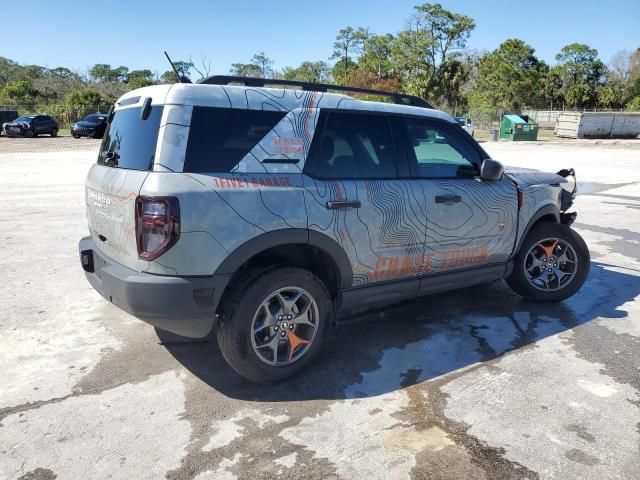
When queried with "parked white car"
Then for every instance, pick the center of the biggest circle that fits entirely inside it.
(467, 124)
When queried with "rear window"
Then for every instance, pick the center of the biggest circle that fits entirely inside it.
(220, 137)
(129, 141)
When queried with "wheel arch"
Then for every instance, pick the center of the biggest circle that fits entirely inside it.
(295, 246)
(548, 213)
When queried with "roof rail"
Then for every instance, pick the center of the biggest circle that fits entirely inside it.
(399, 98)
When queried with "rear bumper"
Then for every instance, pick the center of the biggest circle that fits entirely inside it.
(181, 305)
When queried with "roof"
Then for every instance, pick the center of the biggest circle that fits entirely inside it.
(261, 98)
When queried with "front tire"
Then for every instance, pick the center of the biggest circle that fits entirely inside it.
(274, 323)
(54, 132)
(552, 264)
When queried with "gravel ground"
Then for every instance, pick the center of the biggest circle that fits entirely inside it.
(46, 144)
(471, 384)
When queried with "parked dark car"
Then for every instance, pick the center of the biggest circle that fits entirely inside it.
(92, 125)
(31, 126)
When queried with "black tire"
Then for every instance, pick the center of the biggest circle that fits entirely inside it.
(54, 132)
(518, 280)
(30, 134)
(235, 323)
(76, 136)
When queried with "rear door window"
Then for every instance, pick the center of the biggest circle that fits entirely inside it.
(354, 146)
(130, 142)
(220, 137)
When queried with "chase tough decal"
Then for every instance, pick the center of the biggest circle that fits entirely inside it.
(402, 266)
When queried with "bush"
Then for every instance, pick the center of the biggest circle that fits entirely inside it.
(634, 105)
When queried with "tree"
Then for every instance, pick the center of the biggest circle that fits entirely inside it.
(264, 63)
(433, 37)
(102, 72)
(634, 105)
(86, 99)
(7, 70)
(582, 72)
(376, 56)
(552, 88)
(611, 95)
(448, 91)
(246, 70)
(313, 72)
(348, 40)
(183, 69)
(139, 79)
(358, 77)
(205, 67)
(622, 79)
(20, 92)
(509, 78)
(341, 69)
(260, 66)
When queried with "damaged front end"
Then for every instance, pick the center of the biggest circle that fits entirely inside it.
(567, 196)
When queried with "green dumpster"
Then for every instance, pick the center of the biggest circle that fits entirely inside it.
(518, 127)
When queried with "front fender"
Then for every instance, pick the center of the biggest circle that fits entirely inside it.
(549, 211)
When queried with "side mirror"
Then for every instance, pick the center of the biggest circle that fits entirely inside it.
(491, 170)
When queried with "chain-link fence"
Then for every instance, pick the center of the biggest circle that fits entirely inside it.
(64, 114)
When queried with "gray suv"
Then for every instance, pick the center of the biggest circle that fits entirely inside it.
(260, 213)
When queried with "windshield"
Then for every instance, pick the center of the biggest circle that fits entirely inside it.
(129, 141)
(24, 118)
(461, 120)
(94, 118)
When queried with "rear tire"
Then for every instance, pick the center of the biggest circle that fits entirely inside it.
(54, 132)
(552, 264)
(252, 334)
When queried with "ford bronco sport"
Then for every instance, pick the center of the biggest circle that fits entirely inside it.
(259, 213)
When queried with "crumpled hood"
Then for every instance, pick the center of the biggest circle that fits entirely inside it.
(527, 177)
(16, 124)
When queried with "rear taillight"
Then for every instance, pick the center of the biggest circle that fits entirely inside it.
(157, 225)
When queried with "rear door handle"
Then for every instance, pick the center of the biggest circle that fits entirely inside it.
(335, 205)
(448, 199)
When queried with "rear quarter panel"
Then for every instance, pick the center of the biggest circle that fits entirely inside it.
(221, 212)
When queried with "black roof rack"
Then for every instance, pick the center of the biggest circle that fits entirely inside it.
(399, 98)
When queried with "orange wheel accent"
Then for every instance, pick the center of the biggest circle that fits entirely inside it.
(295, 342)
(548, 251)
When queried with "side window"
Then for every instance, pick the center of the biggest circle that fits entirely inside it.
(439, 151)
(355, 145)
(220, 137)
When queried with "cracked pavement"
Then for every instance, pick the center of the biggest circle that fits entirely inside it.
(476, 383)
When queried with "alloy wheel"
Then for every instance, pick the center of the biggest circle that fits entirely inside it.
(551, 264)
(284, 326)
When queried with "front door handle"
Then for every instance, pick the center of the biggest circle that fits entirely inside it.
(448, 199)
(335, 205)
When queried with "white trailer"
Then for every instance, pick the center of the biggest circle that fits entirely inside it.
(598, 125)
